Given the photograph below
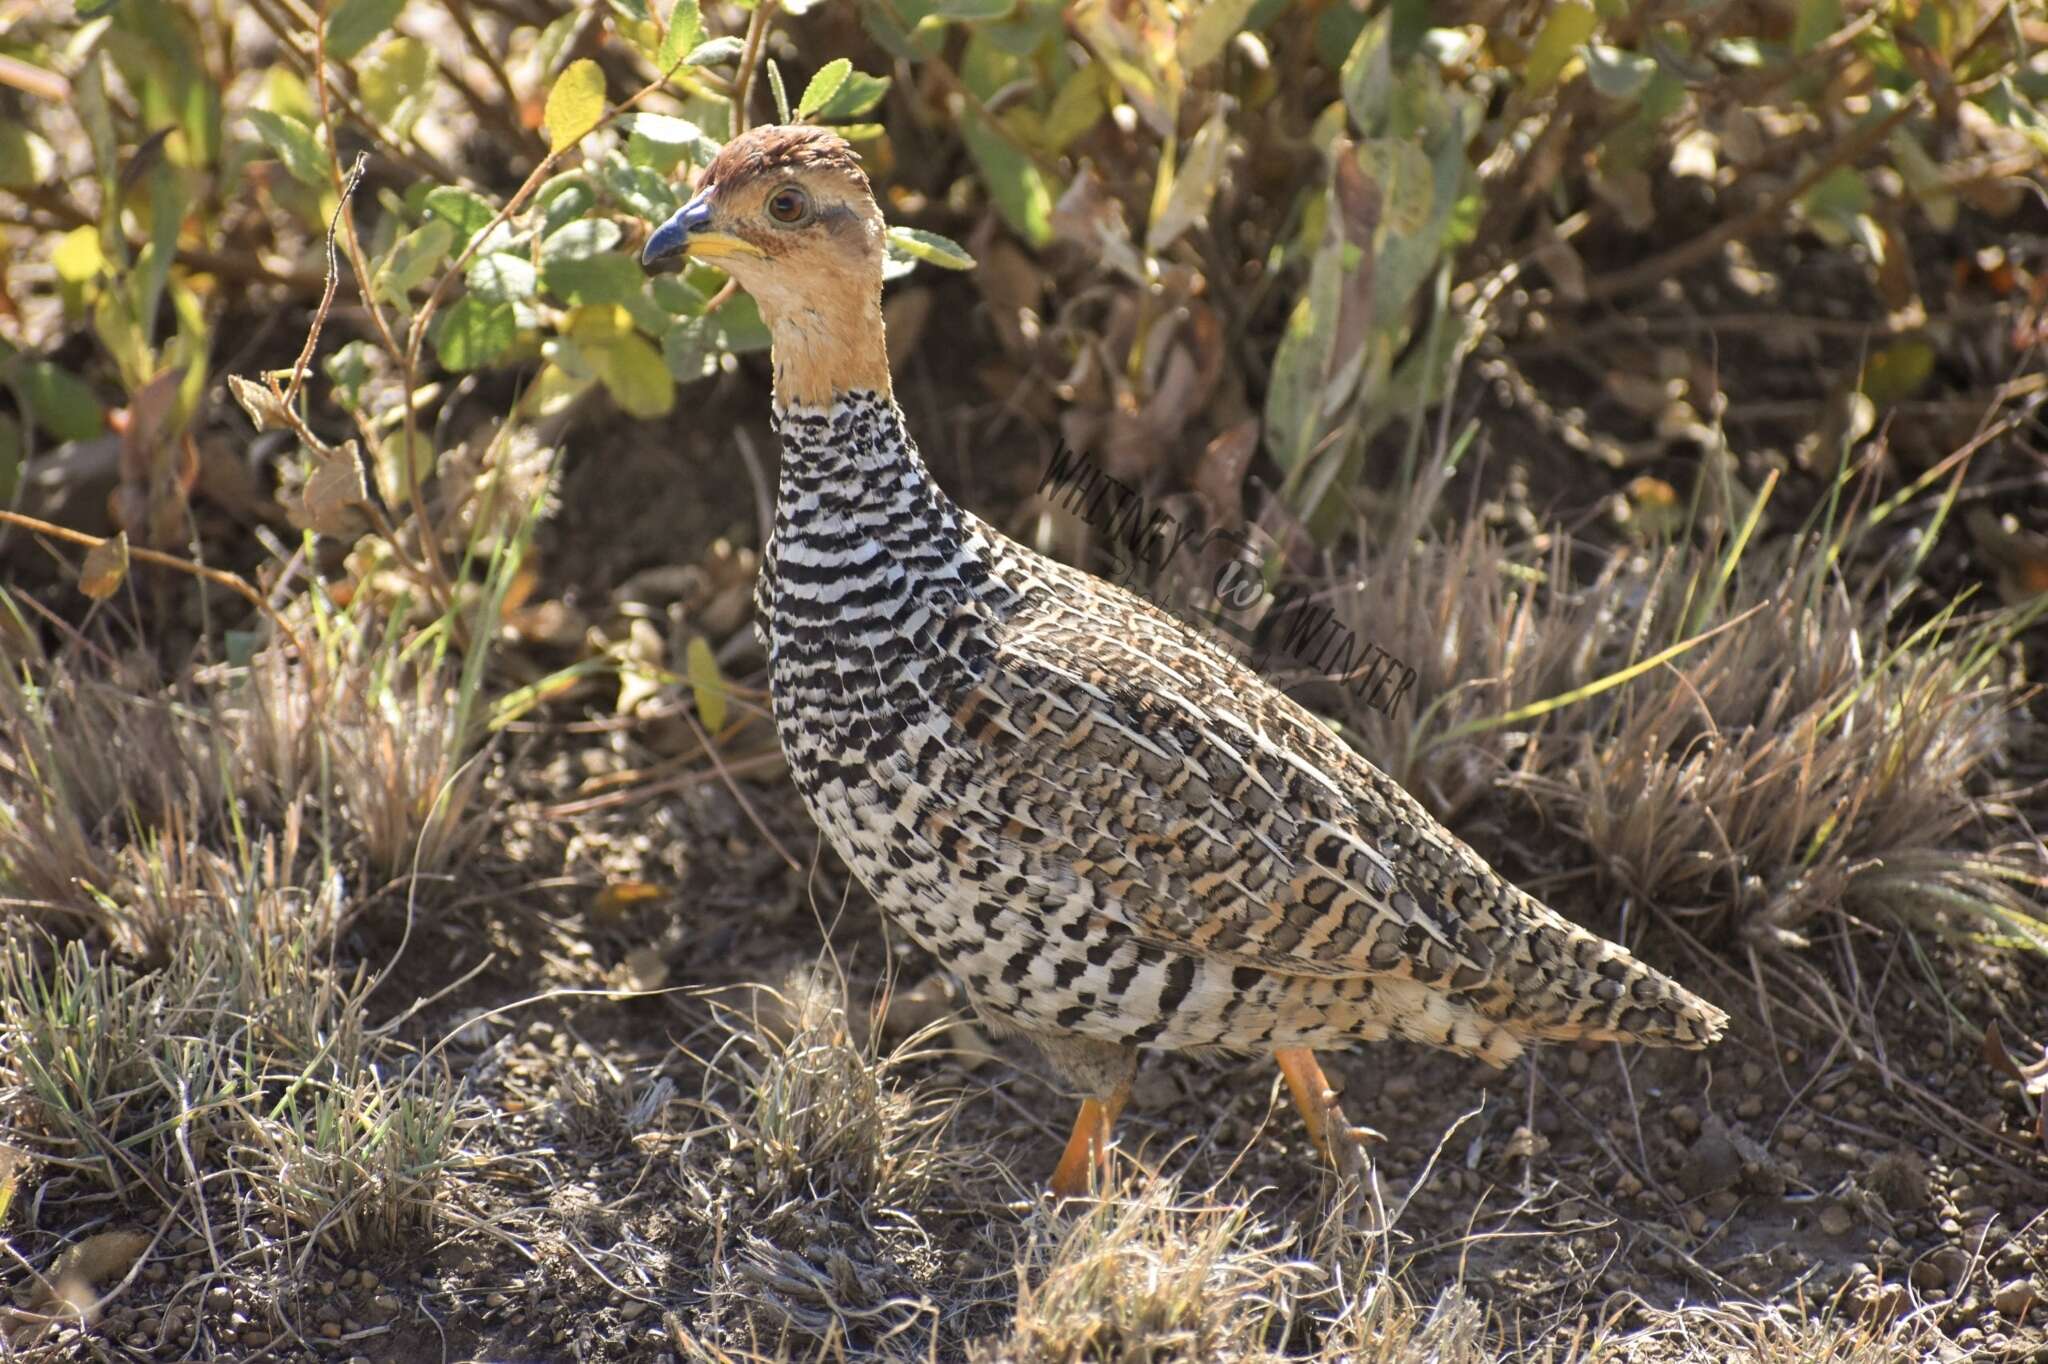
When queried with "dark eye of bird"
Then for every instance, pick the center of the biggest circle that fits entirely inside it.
(787, 205)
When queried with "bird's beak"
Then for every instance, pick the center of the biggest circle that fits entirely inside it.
(687, 233)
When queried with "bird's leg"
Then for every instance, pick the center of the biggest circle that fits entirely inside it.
(1341, 1142)
(1089, 1145)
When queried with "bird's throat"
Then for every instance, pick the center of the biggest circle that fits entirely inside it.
(827, 345)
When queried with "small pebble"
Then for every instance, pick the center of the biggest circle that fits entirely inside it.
(1888, 1301)
(1751, 1107)
(2015, 1298)
(1835, 1220)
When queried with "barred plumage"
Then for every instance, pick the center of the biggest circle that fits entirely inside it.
(1112, 832)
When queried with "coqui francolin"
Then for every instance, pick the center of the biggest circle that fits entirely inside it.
(1111, 832)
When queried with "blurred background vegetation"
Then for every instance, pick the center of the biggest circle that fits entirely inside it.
(1661, 379)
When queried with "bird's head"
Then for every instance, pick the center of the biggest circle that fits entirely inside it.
(787, 212)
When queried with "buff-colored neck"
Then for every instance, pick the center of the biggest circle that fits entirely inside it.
(827, 343)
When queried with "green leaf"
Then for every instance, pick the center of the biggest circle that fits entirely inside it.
(77, 256)
(715, 53)
(348, 369)
(1406, 180)
(606, 278)
(646, 194)
(1836, 202)
(737, 326)
(930, 246)
(1194, 184)
(355, 24)
(973, 9)
(472, 333)
(392, 463)
(464, 210)
(59, 401)
(579, 240)
(501, 277)
(775, 88)
(634, 374)
(664, 129)
(1218, 21)
(25, 159)
(676, 296)
(563, 199)
(690, 350)
(1368, 76)
(707, 686)
(295, 147)
(413, 258)
(1013, 181)
(1077, 108)
(1817, 19)
(824, 85)
(398, 82)
(575, 104)
(685, 31)
(860, 93)
(1617, 74)
(1897, 371)
(1570, 24)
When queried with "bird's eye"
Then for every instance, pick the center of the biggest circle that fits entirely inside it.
(788, 205)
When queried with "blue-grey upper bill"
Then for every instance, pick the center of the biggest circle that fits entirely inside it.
(672, 238)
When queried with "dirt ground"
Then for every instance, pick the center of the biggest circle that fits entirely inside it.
(1869, 1166)
(1847, 1154)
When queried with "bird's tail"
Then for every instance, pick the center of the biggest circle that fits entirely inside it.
(1598, 991)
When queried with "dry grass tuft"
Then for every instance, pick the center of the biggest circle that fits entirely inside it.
(1815, 755)
(124, 800)
(385, 753)
(1144, 1276)
(1756, 1334)
(823, 1183)
(825, 1108)
(106, 786)
(236, 1094)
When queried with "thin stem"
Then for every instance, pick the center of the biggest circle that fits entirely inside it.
(141, 554)
(1691, 252)
(750, 59)
(438, 582)
(418, 158)
(488, 55)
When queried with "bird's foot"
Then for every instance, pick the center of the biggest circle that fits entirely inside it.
(1347, 1144)
(1342, 1142)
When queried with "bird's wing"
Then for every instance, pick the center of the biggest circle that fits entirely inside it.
(1227, 820)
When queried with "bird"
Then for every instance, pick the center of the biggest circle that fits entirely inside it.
(1110, 831)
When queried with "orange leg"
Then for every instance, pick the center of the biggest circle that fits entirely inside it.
(1088, 1147)
(1333, 1134)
